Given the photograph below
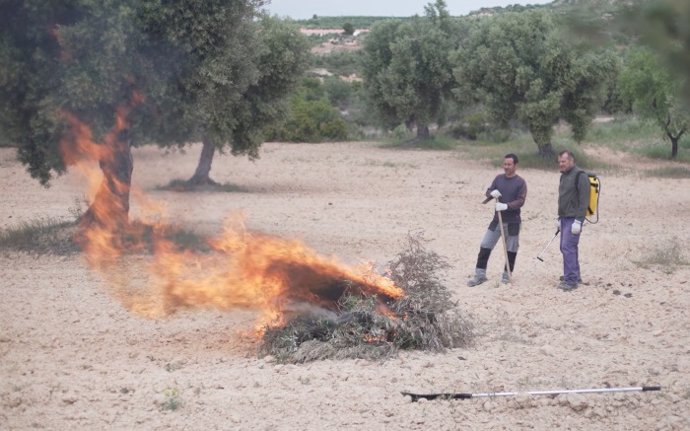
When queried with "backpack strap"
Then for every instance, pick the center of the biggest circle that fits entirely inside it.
(577, 180)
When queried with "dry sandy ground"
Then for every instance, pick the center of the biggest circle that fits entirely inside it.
(71, 357)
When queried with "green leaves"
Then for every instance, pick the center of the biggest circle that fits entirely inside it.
(518, 64)
(407, 70)
(655, 93)
(209, 67)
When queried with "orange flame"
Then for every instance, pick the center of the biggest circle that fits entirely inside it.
(253, 270)
(244, 270)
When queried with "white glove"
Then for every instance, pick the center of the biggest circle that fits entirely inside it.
(576, 228)
(500, 206)
(558, 223)
(495, 194)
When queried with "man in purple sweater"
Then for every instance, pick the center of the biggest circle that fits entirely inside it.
(511, 191)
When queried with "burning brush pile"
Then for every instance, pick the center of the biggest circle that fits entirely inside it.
(308, 306)
(362, 324)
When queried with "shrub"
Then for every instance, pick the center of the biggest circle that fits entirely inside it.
(310, 121)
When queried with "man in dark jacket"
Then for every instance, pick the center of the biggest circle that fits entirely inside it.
(511, 191)
(573, 199)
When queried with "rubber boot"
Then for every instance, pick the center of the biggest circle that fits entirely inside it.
(511, 261)
(479, 277)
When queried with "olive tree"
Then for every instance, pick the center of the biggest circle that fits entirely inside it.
(137, 72)
(655, 93)
(521, 69)
(69, 60)
(665, 29)
(406, 70)
(238, 66)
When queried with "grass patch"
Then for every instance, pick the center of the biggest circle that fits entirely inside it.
(625, 134)
(661, 150)
(669, 172)
(623, 131)
(56, 236)
(434, 143)
(389, 164)
(423, 319)
(139, 237)
(42, 236)
(185, 186)
(630, 134)
(171, 400)
(525, 148)
(668, 258)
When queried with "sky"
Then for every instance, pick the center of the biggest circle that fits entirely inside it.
(305, 9)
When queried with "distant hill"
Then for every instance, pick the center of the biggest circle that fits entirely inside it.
(340, 21)
(581, 7)
(591, 19)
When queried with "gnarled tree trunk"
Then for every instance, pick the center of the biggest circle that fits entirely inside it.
(202, 174)
(674, 142)
(541, 134)
(546, 150)
(422, 132)
(674, 147)
(110, 207)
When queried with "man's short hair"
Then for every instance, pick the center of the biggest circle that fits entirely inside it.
(570, 154)
(511, 156)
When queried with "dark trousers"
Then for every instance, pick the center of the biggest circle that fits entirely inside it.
(569, 249)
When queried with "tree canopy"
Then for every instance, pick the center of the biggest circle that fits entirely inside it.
(90, 79)
(521, 69)
(665, 29)
(50, 65)
(406, 69)
(188, 71)
(655, 93)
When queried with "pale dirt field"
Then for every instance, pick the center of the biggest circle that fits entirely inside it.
(72, 357)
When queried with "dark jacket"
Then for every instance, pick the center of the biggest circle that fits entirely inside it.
(573, 198)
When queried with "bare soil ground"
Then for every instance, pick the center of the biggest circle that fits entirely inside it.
(72, 357)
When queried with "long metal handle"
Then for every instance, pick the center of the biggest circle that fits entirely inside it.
(467, 395)
(505, 244)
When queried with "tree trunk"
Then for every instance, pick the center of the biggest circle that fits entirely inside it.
(674, 146)
(541, 134)
(110, 207)
(202, 174)
(422, 132)
(546, 151)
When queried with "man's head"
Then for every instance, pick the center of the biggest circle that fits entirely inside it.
(566, 161)
(510, 162)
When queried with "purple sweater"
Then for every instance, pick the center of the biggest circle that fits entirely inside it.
(513, 192)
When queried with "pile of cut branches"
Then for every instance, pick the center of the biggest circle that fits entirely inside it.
(423, 319)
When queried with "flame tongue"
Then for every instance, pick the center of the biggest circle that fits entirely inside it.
(264, 272)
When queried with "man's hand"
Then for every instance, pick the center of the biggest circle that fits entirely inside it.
(577, 227)
(495, 194)
(500, 206)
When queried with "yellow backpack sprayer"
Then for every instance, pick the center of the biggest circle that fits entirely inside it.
(594, 192)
